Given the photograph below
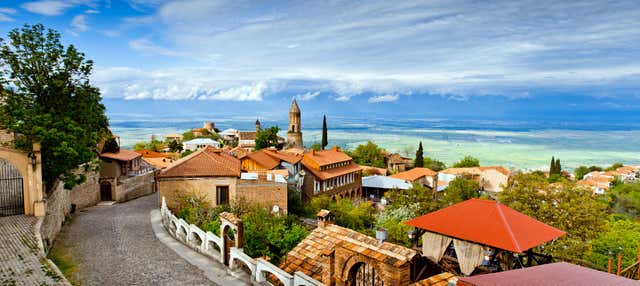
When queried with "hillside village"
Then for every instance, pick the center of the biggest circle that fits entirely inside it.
(258, 207)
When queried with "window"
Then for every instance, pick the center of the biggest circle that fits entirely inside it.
(222, 195)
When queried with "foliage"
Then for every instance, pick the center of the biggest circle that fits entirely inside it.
(419, 198)
(563, 205)
(186, 153)
(325, 141)
(356, 216)
(294, 202)
(434, 164)
(188, 136)
(316, 146)
(392, 219)
(266, 138)
(459, 190)
(48, 98)
(554, 178)
(555, 168)
(625, 199)
(467, 161)
(419, 161)
(614, 166)
(583, 170)
(154, 145)
(622, 232)
(369, 155)
(140, 146)
(175, 146)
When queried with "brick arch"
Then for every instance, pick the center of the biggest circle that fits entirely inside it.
(352, 264)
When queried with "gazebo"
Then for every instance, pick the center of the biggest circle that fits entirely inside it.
(483, 233)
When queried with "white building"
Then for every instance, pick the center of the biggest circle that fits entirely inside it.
(199, 143)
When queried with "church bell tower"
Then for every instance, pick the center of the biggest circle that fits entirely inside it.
(294, 135)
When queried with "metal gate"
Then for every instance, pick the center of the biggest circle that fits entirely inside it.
(364, 275)
(11, 193)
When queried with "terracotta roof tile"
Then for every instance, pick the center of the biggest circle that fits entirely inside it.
(247, 135)
(333, 172)
(284, 156)
(415, 174)
(151, 154)
(326, 157)
(122, 155)
(307, 256)
(263, 159)
(207, 162)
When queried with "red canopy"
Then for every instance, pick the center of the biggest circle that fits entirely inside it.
(489, 223)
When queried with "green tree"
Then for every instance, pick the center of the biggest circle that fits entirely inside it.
(419, 161)
(467, 161)
(175, 146)
(558, 168)
(48, 98)
(186, 153)
(140, 146)
(316, 146)
(557, 205)
(625, 199)
(368, 154)
(418, 198)
(392, 219)
(434, 164)
(614, 166)
(188, 136)
(583, 170)
(622, 232)
(459, 190)
(266, 138)
(357, 216)
(325, 141)
(552, 166)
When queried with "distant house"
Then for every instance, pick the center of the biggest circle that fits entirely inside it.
(216, 176)
(200, 143)
(423, 176)
(247, 140)
(397, 163)
(124, 176)
(156, 159)
(375, 187)
(490, 178)
(229, 136)
(331, 172)
(275, 162)
(174, 137)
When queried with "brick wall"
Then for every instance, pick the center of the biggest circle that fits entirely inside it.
(173, 188)
(263, 193)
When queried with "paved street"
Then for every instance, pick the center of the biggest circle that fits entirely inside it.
(115, 245)
(21, 261)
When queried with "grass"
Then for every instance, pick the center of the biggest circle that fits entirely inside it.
(61, 255)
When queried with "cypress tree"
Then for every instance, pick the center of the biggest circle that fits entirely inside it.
(552, 166)
(558, 168)
(325, 142)
(419, 158)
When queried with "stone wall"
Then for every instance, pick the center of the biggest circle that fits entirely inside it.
(267, 194)
(174, 188)
(59, 203)
(130, 188)
(6, 137)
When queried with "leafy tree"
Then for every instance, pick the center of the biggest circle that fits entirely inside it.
(558, 168)
(368, 154)
(266, 138)
(392, 219)
(294, 202)
(140, 146)
(583, 170)
(186, 153)
(434, 164)
(459, 190)
(357, 216)
(622, 232)
(625, 199)
(270, 235)
(48, 98)
(467, 161)
(325, 142)
(188, 136)
(419, 162)
(564, 206)
(175, 146)
(419, 198)
(316, 146)
(614, 166)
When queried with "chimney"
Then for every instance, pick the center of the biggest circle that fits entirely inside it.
(335, 148)
(312, 152)
(325, 218)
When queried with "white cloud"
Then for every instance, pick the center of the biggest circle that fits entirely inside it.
(383, 98)
(92, 11)
(252, 92)
(307, 96)
(47, 7)
(4, 14)
(79, 24)
(146, 46)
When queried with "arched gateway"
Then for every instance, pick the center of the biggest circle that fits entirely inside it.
(21, 182)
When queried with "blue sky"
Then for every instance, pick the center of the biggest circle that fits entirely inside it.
(578, 59)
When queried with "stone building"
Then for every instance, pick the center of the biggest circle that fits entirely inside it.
(294, 134)
(330, 172)
(125, 176)
(335, 255)
(216, 176)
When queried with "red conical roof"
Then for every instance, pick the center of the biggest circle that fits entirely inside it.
(489, 223)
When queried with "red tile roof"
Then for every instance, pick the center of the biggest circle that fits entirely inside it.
(307, 256)
(490, 223)
(326, 157)
(333, 172)
(207, 162)
(151, 154)
(415, 174)
(122, 155)
(263, 159)
(284, 156)
(247, 135)
(560, 273)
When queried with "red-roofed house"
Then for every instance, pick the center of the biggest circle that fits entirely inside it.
(215, 176)
(490, 178)
(424, 176)
(331, 172)
(124, 175)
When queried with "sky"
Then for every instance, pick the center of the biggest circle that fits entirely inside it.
(487, 59)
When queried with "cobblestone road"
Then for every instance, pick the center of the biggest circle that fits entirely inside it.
(21, 261)
(115, 245)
